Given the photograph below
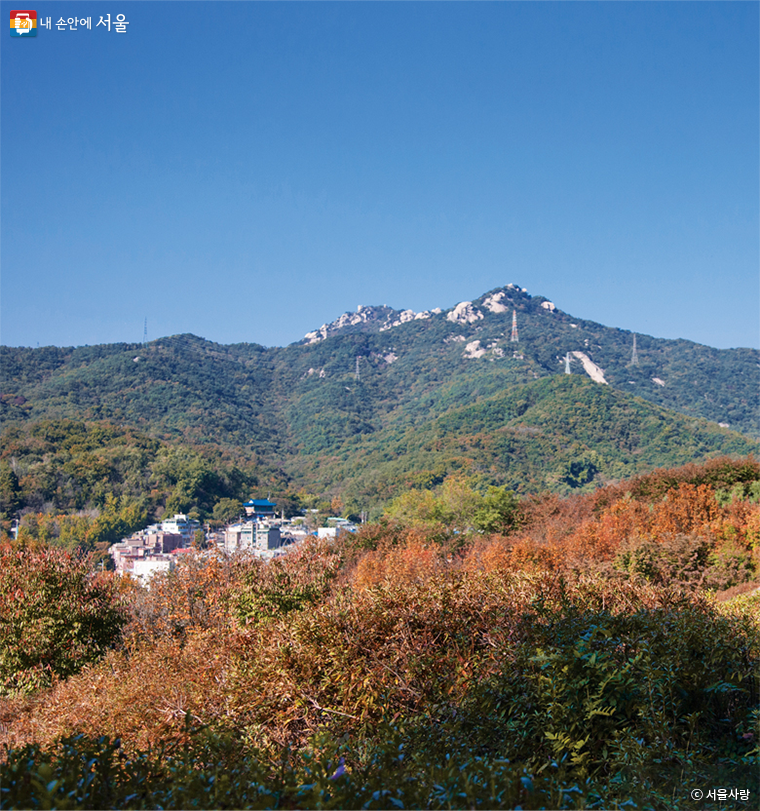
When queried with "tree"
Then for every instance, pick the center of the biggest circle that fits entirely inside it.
(457, 506)
(10, 491)
(498, 511)
(55, 616)
(227, 510)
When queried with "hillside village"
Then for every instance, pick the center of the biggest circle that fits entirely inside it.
(260, 534)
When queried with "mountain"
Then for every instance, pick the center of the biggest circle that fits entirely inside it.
(381, 399)
(719, 385)
(559, 433)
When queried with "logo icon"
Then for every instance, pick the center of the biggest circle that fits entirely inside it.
(23, 23)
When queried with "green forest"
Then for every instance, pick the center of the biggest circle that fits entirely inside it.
(85, 485)
(366, 412)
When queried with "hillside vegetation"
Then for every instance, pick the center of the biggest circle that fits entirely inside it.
(433, 396)
(85, 485)
(563, 434)
(467, 651)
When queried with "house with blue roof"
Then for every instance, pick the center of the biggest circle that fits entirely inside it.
(260, 508)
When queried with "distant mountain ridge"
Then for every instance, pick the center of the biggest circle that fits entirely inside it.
(380, 319)
(671, 373)
(368, 385)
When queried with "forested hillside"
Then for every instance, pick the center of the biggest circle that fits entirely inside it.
(85, 485)
(382, 400)
(562, 434)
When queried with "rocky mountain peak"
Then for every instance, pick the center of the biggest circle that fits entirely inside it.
(367, 319)
(380, 319)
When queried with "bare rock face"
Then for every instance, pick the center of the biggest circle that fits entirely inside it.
(494, 303)
(368, 319)
(464, 313)
(590, 368)
(404, 317)
(381, 319)
(474, 350)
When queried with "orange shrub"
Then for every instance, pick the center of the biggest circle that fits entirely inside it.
(588, 531)
(195, 596)
(144, 694)
(415, 560)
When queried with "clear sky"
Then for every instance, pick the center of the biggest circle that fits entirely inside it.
(247, 171)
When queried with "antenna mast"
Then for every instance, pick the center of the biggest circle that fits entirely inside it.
(634, 354)
(514, 339)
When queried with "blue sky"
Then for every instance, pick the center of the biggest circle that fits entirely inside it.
(248, 171)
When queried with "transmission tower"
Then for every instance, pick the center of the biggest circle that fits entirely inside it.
(634, 354)
(567, 364)
(514, 339)
(145, 332)
(357, 368)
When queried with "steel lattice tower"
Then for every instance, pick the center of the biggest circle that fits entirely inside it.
(514, 339)
(634, 354)
(357, 368)
(145, 332)
(567, 364)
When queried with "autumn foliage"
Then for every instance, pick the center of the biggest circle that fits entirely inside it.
(709, 513)
(581, 658)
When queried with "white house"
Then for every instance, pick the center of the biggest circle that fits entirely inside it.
(144, 568)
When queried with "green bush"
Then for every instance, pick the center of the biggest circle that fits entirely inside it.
(55, 617)
(643, 696)
(457, 507)
(214, 772)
